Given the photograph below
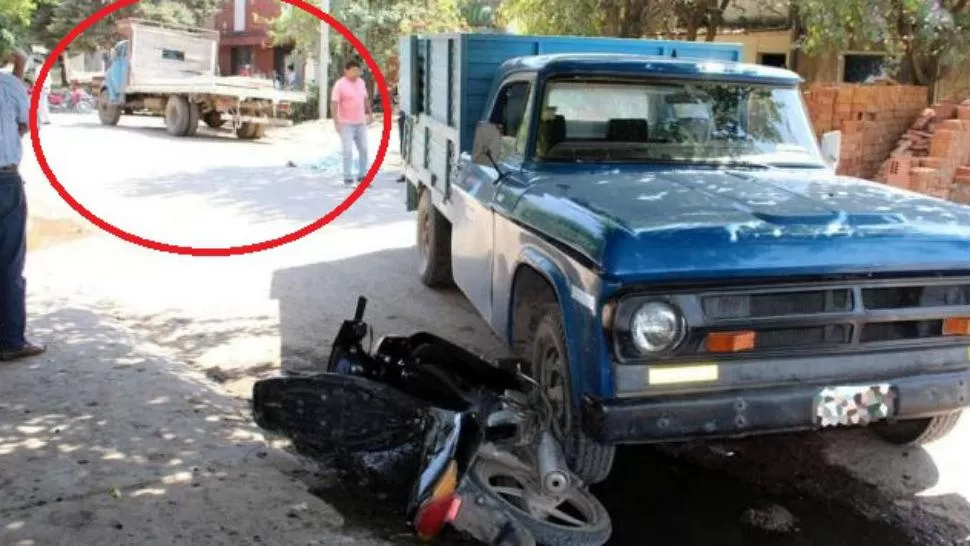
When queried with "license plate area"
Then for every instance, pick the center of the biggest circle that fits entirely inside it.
(854, 405)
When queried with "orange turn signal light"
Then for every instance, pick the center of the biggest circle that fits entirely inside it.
(730, 342)
(956, 327)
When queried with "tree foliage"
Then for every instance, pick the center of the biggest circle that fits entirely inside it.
(378, 24)
(926, 39)
(14, 22)
(619, 18)
(54, 19)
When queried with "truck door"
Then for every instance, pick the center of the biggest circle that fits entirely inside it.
(474, 188)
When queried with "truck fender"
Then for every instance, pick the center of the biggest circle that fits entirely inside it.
(539, 262)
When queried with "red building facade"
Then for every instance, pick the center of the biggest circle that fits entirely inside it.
(244, 38)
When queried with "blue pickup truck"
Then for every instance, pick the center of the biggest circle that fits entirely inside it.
(653, 227)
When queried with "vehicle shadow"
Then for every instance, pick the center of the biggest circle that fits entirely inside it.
(159, 131)
(280, 194)
(103, 441)
(700, 493)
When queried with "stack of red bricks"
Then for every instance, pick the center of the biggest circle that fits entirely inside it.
(933, 156)
(871, 118)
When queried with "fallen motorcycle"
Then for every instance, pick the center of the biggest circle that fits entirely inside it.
(490, 465)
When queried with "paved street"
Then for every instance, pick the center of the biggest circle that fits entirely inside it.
(133, 429)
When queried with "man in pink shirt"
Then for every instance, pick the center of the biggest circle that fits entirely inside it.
(351, 114)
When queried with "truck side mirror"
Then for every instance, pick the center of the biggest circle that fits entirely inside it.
(831, 146)
(487, 146)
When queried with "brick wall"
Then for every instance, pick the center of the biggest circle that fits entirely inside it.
(872, 118)
(933, 156)
(255, 34)
(266, 9)
(891, 136)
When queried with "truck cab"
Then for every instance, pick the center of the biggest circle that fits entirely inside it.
(660, 237)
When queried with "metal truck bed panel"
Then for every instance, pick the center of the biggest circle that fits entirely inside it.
(214, 86)
(446, 80)
(158, 52)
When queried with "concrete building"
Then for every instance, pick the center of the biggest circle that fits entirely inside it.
(244, 37)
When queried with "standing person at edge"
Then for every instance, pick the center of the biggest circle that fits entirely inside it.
(351, 114)
(14, 116)
(44, 111)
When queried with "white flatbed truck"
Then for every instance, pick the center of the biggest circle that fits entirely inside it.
(172, 72)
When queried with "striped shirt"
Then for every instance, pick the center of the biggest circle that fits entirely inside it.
(14, 111)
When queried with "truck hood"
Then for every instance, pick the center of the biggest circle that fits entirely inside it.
(662, 225)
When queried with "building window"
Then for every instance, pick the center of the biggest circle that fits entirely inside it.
(239, 22)
(857, 68)
(774, 59)
(173, 55)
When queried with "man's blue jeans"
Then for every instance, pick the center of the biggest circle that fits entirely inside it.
(354, 134)
(13, 250)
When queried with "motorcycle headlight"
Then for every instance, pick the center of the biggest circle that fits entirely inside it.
(656, 327)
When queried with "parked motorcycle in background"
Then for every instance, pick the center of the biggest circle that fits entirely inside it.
(71, 101)
(489, 462)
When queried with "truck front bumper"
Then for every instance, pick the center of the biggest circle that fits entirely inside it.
(733, 414)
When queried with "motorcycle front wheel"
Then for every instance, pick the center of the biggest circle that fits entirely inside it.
(575, 518)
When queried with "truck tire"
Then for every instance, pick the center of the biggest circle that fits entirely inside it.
(917, 432)
(177, 115)
(213, 119)
(588, 459)
(109, 114)
(434, 244)
(193, 126)
(248, 131)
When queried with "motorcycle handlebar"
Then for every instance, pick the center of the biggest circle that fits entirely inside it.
(361, 306)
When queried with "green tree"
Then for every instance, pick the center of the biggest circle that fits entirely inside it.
(14, 22)
(619, 18)
(378, 24)
(924, 39)
(693, 15)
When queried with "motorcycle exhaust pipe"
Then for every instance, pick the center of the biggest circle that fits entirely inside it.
(553, 471)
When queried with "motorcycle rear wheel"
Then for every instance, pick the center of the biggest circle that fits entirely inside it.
(575, 519)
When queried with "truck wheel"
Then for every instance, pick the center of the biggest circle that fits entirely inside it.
(177, 114)
(434, 244)
(917, 432)
(193, 126)
(588, 459)
(108, 113)
(247, 131)
(213, 119)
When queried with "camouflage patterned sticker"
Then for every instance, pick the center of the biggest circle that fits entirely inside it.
(840, 406)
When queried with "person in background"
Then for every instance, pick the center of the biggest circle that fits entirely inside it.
(14, 115)
(291, 77)
(76, 94)
(246, 71)
(351, 114)
(44, 109)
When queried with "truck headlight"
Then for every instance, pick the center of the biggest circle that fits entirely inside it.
(656, 327)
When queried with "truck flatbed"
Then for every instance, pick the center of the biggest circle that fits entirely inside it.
(216, 85)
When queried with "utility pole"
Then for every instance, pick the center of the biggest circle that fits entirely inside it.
(323, 66)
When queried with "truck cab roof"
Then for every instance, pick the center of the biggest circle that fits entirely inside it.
(637, 65)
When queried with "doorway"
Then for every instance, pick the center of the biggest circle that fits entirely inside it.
(238, 58)
(279, 62)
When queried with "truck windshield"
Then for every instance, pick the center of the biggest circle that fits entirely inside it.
(695, 122)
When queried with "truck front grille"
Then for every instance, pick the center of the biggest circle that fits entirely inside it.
(833, 317)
